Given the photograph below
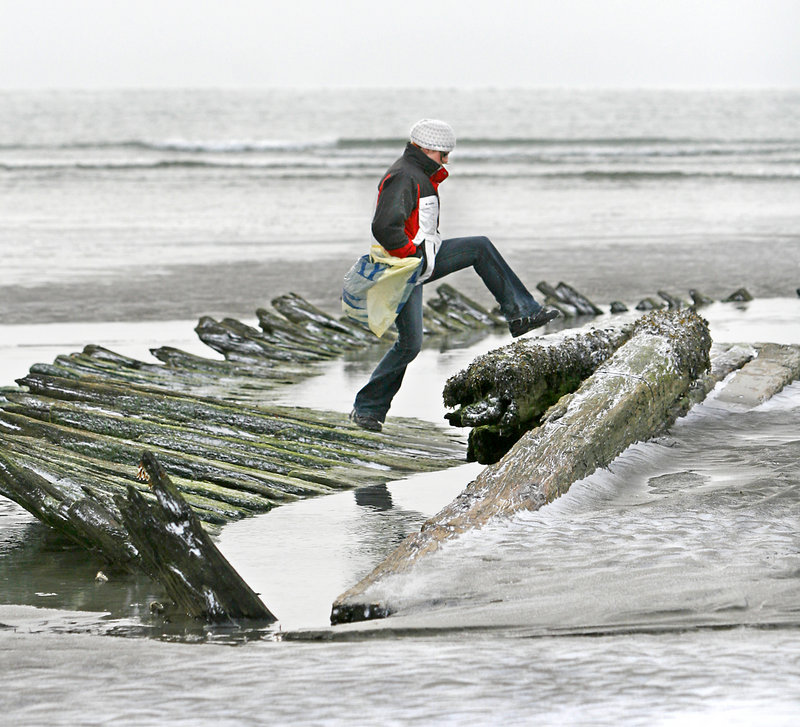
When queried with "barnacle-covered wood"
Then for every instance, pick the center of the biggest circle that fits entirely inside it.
(174, 550)
(503, 393)
(634, 395)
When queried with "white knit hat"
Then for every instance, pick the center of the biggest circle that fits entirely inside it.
(433, 134)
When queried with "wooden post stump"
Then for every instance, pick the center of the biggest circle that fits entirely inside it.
(179, 554)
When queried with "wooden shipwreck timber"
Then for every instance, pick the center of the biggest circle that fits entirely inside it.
(72, 437)
(77, 435)
(660, 368)
(505, 392)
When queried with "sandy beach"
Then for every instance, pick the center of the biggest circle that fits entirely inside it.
(680, 560)
(604, 271)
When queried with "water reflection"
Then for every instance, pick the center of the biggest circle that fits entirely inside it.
(299, 557)
(377, 497)
(40, 567)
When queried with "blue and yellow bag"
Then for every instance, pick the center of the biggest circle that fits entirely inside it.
(377, 287)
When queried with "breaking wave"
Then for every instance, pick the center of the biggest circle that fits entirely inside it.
(667, 145)
(615, 159)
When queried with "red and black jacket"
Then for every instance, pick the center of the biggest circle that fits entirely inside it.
(407, 210)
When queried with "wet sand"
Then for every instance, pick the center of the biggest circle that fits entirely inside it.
(604, 271)
(645, 680)
(87, 673)
(45, 574)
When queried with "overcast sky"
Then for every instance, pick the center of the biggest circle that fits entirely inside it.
(434, 43)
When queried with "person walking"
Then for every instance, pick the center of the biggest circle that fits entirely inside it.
(406, 222)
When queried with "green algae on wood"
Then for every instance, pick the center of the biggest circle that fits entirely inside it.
(70, 434)
(84, 418)
(277, 453)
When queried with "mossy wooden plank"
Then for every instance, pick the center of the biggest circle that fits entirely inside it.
(83, 519)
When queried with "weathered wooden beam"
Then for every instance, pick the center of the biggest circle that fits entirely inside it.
(699, 299)
(275, 486)
(85, 367)
(106, 363)
(773, 368)
(399, 452)
(648, 304)
(317, 323)
(214, 504)
(263, 455)
(553, 300)
(740, 295)
(241, 343)
(567, 299)
(503, 393)
(673, 303)
(65, 506)
(184, 408)
(451, 303)
(634, 395)
(176, 551)
(281, 330)
(441, 322)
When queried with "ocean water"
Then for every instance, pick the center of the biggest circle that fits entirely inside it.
(662, 591)
(169, 205)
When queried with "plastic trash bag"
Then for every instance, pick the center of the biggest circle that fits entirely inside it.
(377, 287)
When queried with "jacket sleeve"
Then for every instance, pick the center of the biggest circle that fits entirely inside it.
(397, 202)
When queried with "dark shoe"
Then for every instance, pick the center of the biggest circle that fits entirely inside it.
(519, 326)
(366, 421)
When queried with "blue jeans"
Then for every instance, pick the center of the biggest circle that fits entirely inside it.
(458, 253)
